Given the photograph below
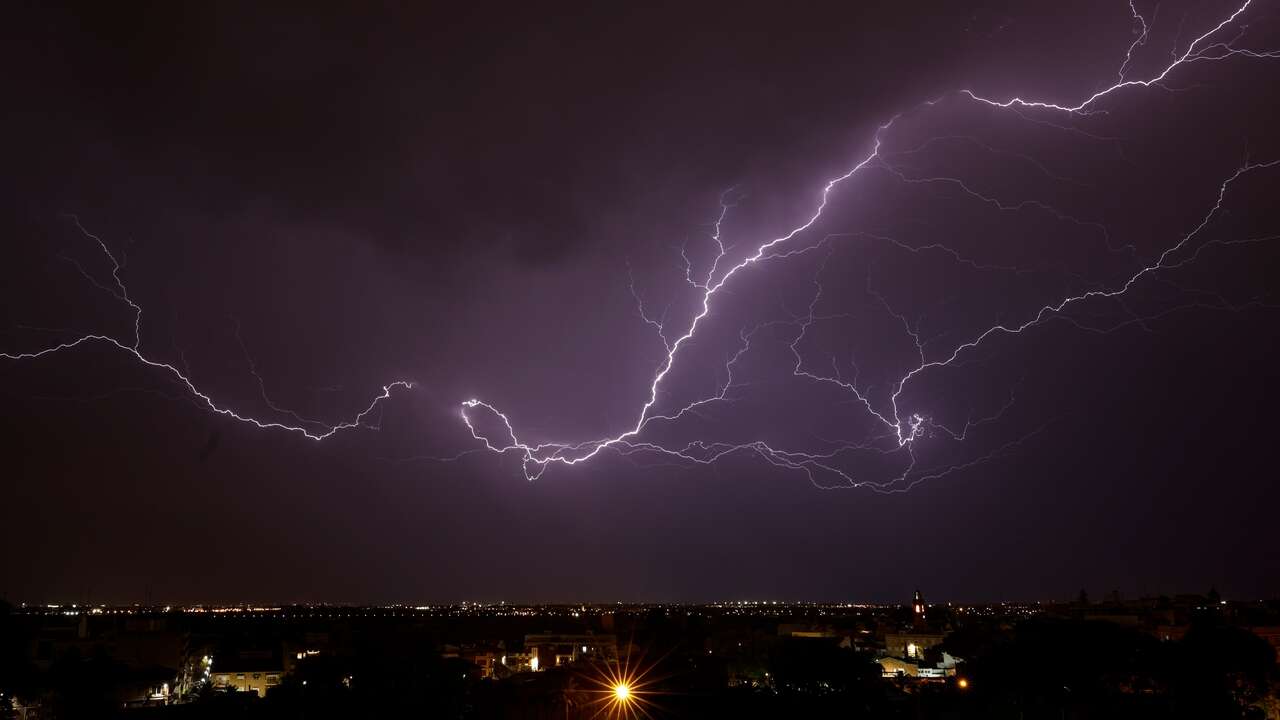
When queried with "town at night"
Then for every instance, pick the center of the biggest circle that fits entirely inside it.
(640, 360)
(1113, 657)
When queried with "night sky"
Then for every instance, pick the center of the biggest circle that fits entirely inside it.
(474, 198)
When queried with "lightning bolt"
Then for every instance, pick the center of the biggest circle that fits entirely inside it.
(899, 432)
(132, 347)
(1193, 53)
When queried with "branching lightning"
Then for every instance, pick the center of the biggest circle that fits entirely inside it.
(897, 432)
(900, 431)
(132, 347)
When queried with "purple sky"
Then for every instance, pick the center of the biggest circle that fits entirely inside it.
(473, 201)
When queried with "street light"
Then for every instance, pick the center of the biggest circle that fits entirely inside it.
(622, 692)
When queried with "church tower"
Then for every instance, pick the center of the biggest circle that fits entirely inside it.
(917, 610)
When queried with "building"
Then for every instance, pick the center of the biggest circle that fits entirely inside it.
(247, 671)
(309, 645)
(548, 650)
(517, 662)
(913, 644)
(943, 666)
(136, 642)
(144, 687)
(483, 657)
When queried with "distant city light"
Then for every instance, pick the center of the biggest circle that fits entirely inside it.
(622, 692)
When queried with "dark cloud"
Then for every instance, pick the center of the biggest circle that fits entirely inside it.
(456, 195)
